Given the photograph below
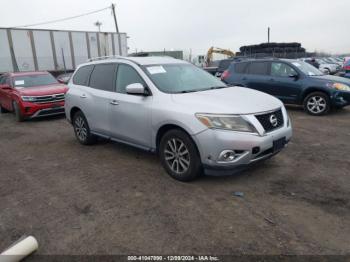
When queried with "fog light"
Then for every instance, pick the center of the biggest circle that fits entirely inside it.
(256, 150)
(227, 156)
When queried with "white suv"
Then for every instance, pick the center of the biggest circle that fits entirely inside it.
(193, 121)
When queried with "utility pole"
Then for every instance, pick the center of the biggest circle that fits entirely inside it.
(268, 34)
(117, 29)
(98, 24)
(64, 61)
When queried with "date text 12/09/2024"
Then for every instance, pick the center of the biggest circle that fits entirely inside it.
(173, 258)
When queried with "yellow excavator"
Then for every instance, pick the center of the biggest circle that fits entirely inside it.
(217, 50)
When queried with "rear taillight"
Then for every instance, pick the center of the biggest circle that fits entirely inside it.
(225, 74)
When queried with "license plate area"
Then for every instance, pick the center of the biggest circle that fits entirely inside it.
(56, 105)
(279, 144)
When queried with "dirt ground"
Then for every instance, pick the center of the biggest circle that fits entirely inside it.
(113, 199)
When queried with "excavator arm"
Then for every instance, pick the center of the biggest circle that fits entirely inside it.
(217, 50)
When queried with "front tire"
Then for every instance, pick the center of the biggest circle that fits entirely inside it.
(82, 129)
(317, 104)
(17, 111)
(179, 156)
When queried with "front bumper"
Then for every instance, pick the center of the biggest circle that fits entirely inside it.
(32, 110)
(341, 98)
(252, 148)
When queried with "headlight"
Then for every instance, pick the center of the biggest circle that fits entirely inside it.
(28, 98)
(341, 87)
(227, 122)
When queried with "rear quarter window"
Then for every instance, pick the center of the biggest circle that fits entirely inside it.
(81, 77)
(240, 68)
(103, 77)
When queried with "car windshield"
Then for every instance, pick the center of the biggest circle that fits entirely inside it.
(182, 78)
(34, 80)
(307, 69)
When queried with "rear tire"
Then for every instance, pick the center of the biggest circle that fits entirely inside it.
(317, 104)
(82, 129)
(179, 156)
(17, 111)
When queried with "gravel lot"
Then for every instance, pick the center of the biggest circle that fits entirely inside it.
(113, 199)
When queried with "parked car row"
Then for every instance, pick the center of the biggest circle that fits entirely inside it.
(195, 122)
(328, 65)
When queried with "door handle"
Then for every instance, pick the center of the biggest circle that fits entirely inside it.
(272, 79)
(83, 96)
(114, 102)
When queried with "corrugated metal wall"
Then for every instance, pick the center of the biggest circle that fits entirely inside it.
(52, 50)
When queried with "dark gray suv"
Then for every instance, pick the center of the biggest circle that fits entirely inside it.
(293, 82)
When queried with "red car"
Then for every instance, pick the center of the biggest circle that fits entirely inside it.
(31, 94)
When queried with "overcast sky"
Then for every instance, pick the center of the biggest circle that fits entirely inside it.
(321, 25)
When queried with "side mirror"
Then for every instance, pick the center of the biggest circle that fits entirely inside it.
(5, 87)
(136, 89)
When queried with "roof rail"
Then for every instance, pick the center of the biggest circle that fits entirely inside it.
(104, 58)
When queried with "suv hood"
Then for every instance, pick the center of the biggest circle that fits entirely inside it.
(231, 100)
(42, 90)
(330, 78)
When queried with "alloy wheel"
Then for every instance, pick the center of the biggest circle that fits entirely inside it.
(177, 156)
(80, 128)
(316, 104)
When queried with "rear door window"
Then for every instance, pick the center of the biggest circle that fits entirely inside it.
(258, 68)
(103, 77)
(81, 77)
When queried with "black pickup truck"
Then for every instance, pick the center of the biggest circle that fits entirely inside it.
(217, 69)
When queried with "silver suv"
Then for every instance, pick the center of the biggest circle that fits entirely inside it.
(193, 121)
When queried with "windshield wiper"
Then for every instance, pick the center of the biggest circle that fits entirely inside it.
(188, 91)
(199, 90)
(217, 87)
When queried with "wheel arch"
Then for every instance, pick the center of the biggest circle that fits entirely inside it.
(165, 128)
(310, 90)
(72, 112)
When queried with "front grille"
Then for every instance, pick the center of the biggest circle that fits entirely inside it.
(268, 121)
(48, 99)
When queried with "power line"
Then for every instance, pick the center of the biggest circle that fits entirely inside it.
(63, 19)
